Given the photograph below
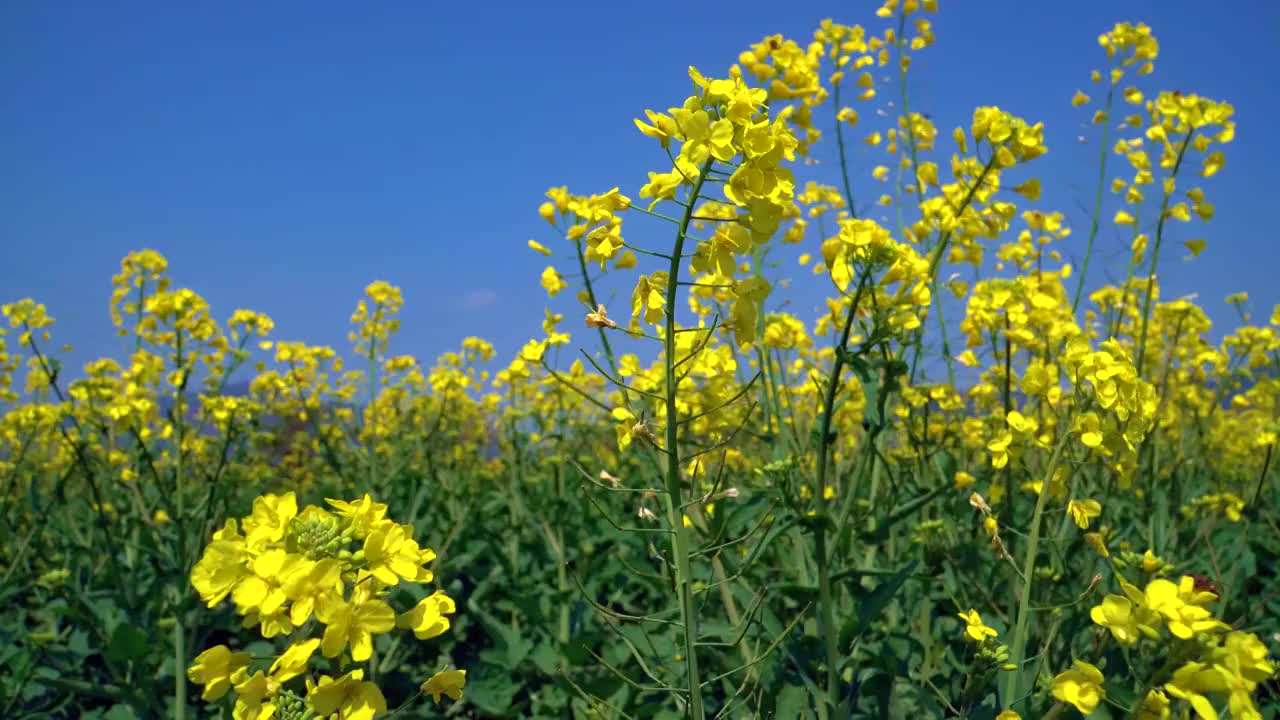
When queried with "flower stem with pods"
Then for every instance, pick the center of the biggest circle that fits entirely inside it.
(826, 608)
(1103, 154)
(680, 538)
(1155, 252)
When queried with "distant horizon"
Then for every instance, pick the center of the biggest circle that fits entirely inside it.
(284, 157)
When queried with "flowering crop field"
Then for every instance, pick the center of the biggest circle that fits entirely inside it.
(979, 483)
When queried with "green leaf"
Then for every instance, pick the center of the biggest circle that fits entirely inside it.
(120, 712)
(546, 659)
(491, 690)
(128, 642)
(793, 702)
(873, 604)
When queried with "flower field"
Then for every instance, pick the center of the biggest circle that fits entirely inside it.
(978, 480)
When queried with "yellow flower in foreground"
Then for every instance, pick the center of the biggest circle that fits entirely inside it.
(293, 661)
(538, 247)
(1081, 686)
(1008, 715)
(1184, 619)
(1082, 511)
(213, 669)
(222, 566)
(255, 695)
(1245, 656)
(1191, 681)
(1124, 619)
(427, 618)
(364, 514)
(392, 553)
(447, 682)
(975, 629)
(348, 697)
(353, 622)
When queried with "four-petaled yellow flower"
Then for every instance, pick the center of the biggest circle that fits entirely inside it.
(1083, 511)
(446, 682)
(1081, 686)
(214, 667)
(975, 629)
(354, 622)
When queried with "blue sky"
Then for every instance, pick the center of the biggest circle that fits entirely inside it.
(284, 155)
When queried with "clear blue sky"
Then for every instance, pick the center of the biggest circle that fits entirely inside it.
(283, 155)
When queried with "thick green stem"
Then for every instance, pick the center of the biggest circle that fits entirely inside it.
(179, 604)
(680, 539)
(826, 618)
(826, 609)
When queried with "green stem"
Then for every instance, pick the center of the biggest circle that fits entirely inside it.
(1097, 204)
(680, 538)
(844, 163)
(1012, 683)
(591, 297)
(1155, 252)
(826, 609)
(826, 617)
(179, 629)
(914, 152)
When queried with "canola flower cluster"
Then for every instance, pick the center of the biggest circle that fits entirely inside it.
(289, 571)
(1209, 657)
